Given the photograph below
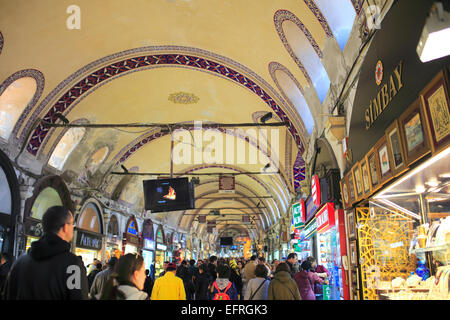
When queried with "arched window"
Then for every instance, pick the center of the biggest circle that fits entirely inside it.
(5, 194)
(340, 15)
(295, 96)
(305, 52)
(90, 219)
(13, 102)
(47, 198)
(65, 147)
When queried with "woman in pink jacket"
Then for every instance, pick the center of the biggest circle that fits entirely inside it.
(306, 279)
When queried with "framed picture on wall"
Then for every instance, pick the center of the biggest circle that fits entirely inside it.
(374, 171)
(353, 257)
(351, 187)
(365, 176)
(381, 148)
(357, 178)
(351, 225)
(395, 148)
(414, 129)
(345, 193)
(435, 99)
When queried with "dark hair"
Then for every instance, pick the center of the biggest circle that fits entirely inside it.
(261, 271)
(124, 269)
(99, 265)
(283, 266)
(192, 262)
(166, 262)
(184, 262)
(147, 272)
(253, 258)
(112, 262)
(203, 267)
(55, 218)
(171, 267)
(306, 265)
(262, 259)
(224, 271)
(311, 259)
(212, 259)
(291, 255)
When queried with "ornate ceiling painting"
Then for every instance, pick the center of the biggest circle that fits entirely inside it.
(177, 62)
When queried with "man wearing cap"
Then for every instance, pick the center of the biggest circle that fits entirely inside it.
(169, 286)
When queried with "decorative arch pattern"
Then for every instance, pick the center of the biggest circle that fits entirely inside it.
(295, 97)
(312, 67)
(94, 79)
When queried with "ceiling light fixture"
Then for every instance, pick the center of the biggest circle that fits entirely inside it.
(434, 42)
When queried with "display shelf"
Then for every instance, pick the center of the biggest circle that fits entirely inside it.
(430, 249)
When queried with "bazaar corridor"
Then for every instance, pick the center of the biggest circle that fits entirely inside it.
(225, 150)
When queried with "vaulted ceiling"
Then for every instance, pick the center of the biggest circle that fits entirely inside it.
(170, 61)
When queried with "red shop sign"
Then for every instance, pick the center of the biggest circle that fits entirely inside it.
(315, 190)
(302, 210)
(325, 217)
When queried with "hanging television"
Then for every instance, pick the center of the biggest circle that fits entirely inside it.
(226, 241)
(162, 195)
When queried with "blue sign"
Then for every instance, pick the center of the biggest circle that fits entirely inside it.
(132, 228)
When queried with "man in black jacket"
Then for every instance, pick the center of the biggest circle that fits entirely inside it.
(49, 271)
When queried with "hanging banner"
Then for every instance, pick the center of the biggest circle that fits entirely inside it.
(226, 184)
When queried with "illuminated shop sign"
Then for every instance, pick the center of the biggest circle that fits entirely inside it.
(149, 244)
(132, 228)
(315, 190)
(325, 217)
(161, 247)
(88, 241)
(310, 228)
(298, 210)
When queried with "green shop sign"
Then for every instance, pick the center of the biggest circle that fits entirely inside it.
(310, 228)
(297, 213)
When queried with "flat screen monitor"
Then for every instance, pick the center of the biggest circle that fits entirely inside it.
(162, 195)
(226, 241)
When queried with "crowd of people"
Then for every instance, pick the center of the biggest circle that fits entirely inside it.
(50, 271)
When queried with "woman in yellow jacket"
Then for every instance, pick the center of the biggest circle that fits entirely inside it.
(169, 287)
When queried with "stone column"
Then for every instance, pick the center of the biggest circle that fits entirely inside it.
(106, 218)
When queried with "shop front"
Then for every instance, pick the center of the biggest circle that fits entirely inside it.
(306, 240)
(89, 233)
(161, 249)
(396, 192)
(330, 231)
(131, 242)
(149, 244)
(175, 248)
(113, 243)
(9, 204)
(48, 192)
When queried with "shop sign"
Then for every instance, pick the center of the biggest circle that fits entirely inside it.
(297, 234)
(88, 240)
(310, 229)
(161, 247)
(132, 228)
(325, 217)
(159, 236)
(132, 239)
(310, 209)
(226, 184)
(298, 210)
(149, 244)
(315, 190)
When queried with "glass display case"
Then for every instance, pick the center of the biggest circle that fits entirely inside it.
(409, 224)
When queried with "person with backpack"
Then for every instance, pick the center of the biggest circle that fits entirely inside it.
(258, 287)
(223, 288)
